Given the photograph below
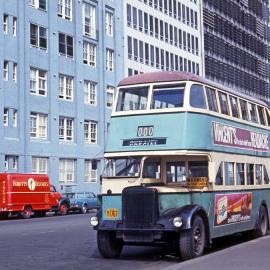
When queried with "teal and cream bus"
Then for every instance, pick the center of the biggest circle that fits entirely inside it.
(186, 161)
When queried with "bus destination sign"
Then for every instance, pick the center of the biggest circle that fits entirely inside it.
(239, 138)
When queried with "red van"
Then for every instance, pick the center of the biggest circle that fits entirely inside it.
(25, 194)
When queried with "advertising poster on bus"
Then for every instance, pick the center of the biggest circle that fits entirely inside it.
(232, 208)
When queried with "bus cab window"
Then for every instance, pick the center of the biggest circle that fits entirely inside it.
(258, 174)
(240, 173)
(212, 99)
(250, 174)
(167, 97)
(151, 168)
(219, 176)
(197, 98)
(132, 99)
(265, 174)
(229, 173)
(175, 172)
(244, 110)
(198, 168)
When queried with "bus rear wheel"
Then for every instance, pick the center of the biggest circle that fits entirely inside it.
(108, 246)
(262, 225)
(192, 242)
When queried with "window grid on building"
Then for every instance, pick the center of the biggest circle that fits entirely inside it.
(5, 70)
(5, 23)
(38, 82)
(89, 54)
(5, 117)
(38, 36)
(66, 170)
(89, 20)
(65, 45)
(40, 165)
(110, 96)
(109, 24)
(14, 72)
(11, 163)
(65, 9)
(65, 87)
(38, 125)
(14, 118)
(109, 60)
(90, 93)
(65, 129)
(90, 171)
(90, 131)
(38, 4)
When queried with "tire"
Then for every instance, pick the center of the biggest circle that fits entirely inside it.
(192, 242)
(63, 209)
(84, 209)
(27, 212)
(263, 223)
(108, 246)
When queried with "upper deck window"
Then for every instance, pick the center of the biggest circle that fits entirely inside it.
(234, 106)
(252, 111)
(167, 97)
(223, 100)
(197, 98)
(244, 110)
(132, 99)
(212, 99)
(261, 115)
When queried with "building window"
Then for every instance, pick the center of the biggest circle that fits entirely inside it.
(110, 95)
(65, 44)
(89, 54)
(40, 165)
(90, 93)
(90, 131)
(89, 20)
(14, 72)
(65, 87)
(11, 163)
(90, 171)
(38, 4)
(38, 82)
(109, 24)
(109, 60)
(65, 9)
(5, 70)
(65, 129)
(67, 170)
(5, 23)
(14, 26)
(5, 120)
(14, 118)
(38, 36)
(38, 125)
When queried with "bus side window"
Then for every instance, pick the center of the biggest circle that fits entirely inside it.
(252, 111)
(268, 117)
(197, 97)
(240, 174)
(266, 177)
(234, 106)
(261, 115)
(244, 111)
(219, 176)
(223, 101)
(198, 169)
(212, 99)
(229, 173)
(250, 174)
(258, 174)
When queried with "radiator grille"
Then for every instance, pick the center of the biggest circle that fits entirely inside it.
(139, 207)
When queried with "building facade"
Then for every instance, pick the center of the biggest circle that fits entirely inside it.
(236, 39)
(61, 61)
(163, 35)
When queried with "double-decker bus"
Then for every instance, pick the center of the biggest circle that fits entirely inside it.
(186, 161)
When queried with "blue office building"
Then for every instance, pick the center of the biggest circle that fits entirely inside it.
(61, 61)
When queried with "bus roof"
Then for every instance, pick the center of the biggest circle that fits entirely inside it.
(172, 76)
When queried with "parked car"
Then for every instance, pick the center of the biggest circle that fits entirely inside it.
(82, 201)
(60, 203)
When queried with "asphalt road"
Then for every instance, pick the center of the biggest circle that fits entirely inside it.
(68, 242)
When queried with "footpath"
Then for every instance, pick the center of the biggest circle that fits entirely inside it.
(252, 255)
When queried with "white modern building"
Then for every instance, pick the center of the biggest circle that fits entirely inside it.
(163, 35)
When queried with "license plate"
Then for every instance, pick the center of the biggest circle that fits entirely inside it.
(111, 212)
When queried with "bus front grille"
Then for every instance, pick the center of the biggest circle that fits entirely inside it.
(139, 207)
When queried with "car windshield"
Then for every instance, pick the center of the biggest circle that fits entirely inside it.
(70, 195)
(123, 167)
(80, 195)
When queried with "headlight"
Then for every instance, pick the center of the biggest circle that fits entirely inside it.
(177, 222)
(94, 221)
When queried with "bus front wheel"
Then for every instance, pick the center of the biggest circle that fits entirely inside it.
(262, 225)
(192, 241)
(108, 246)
